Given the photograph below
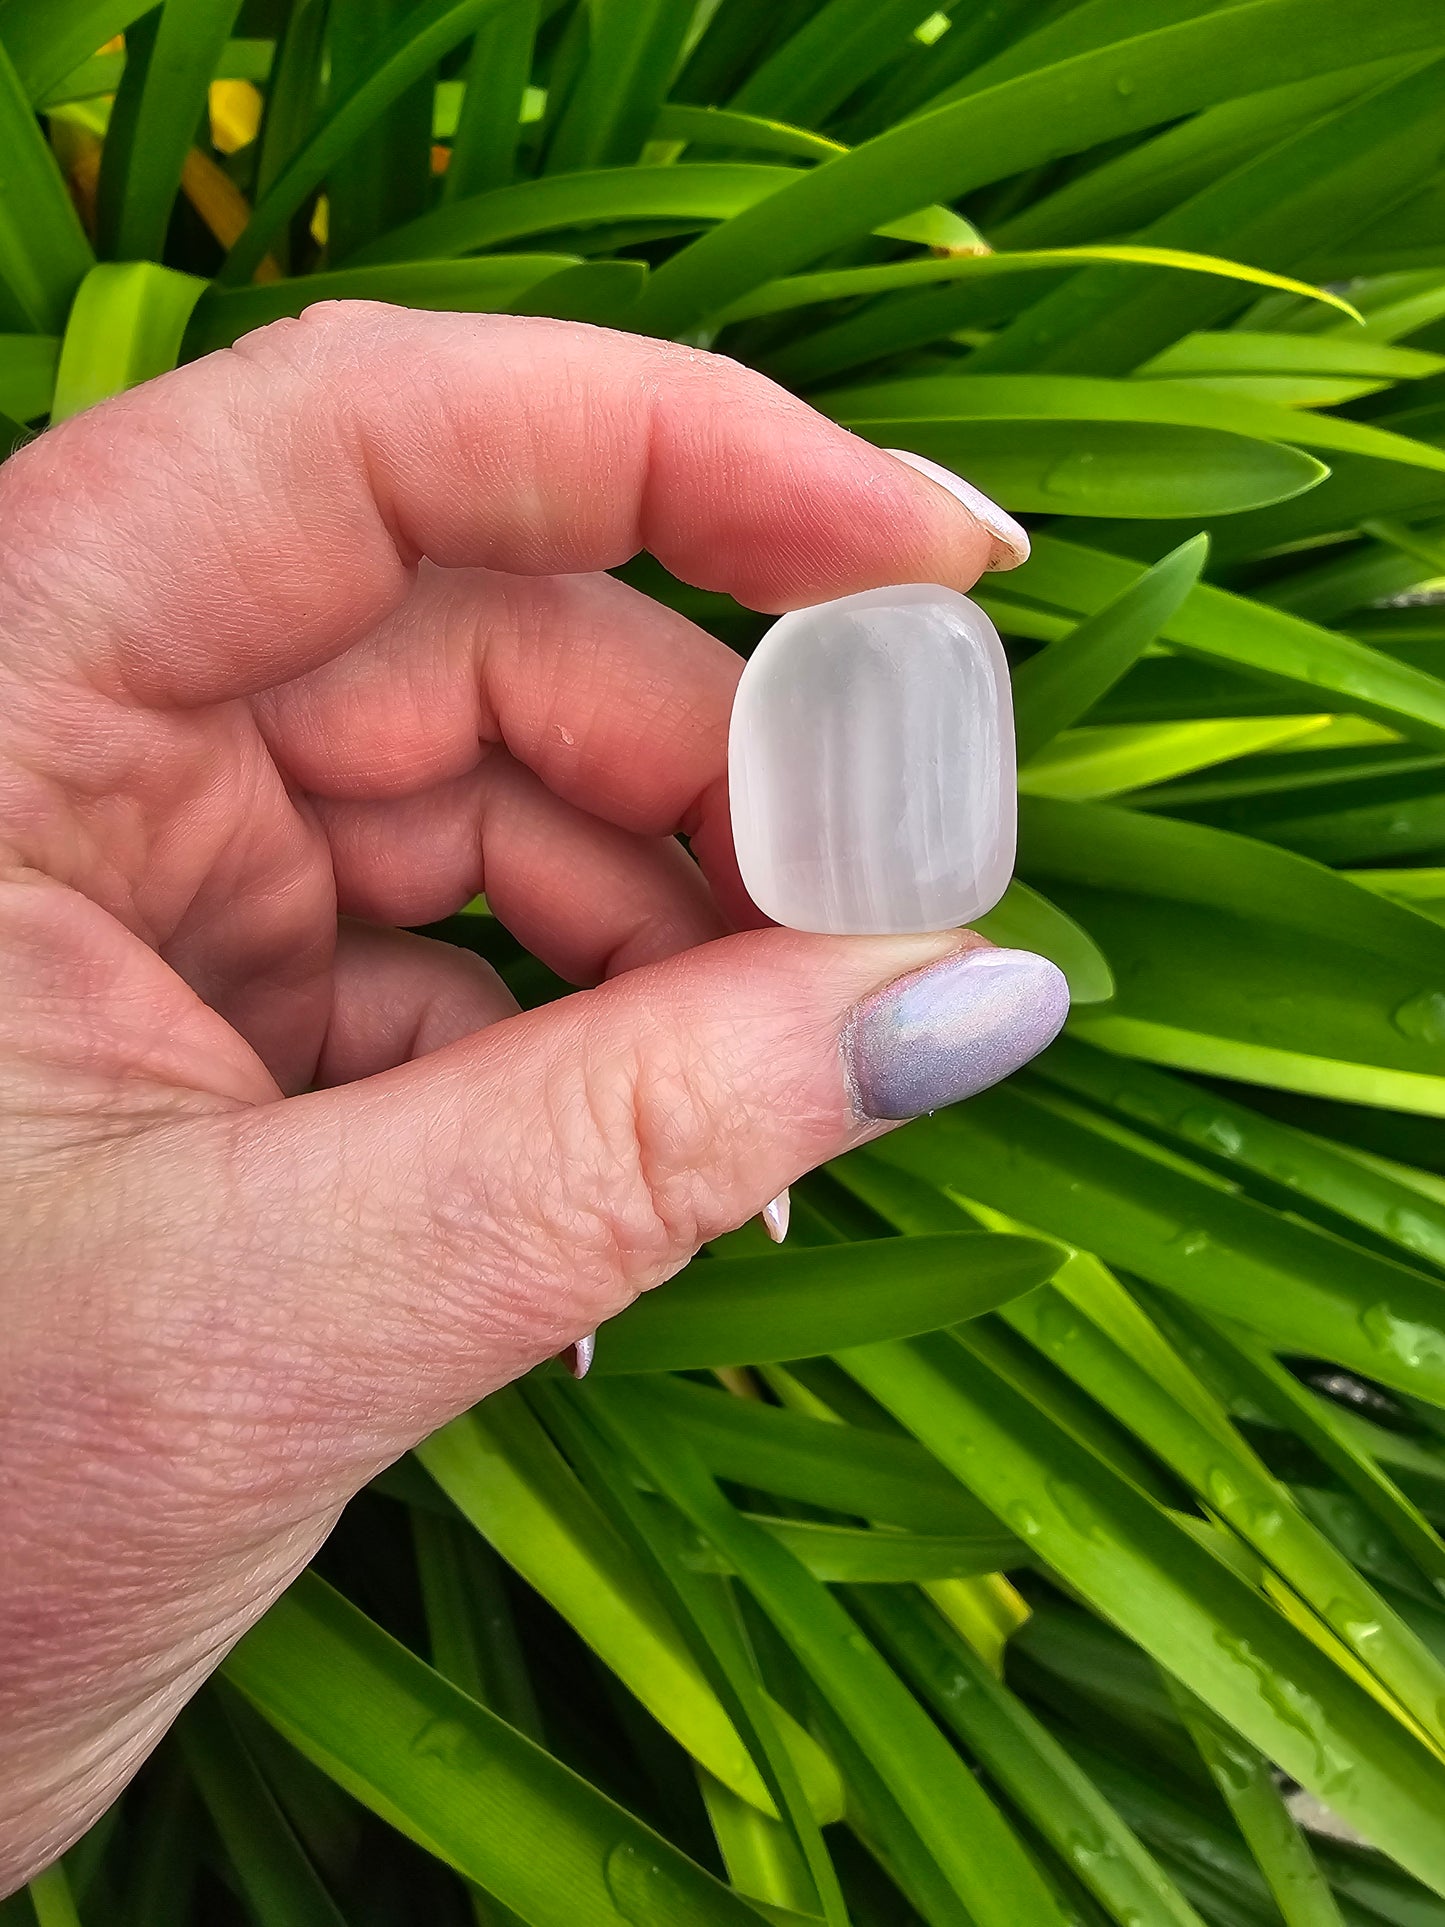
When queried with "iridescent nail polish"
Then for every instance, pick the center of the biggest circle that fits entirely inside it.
(951, 1030)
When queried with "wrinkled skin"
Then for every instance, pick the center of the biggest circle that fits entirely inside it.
(302, 643)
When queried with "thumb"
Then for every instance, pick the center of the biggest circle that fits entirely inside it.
(440, 1228)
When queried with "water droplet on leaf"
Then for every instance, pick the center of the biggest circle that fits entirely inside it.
(1058, 1322)
(641, 1889)
(1416, 1232)
(1190, 1242)
(1421, 1018)
(1219, 1133)
(1077, 1508)
(1405, 1339)
(1220, 1488)
(1024, 1522)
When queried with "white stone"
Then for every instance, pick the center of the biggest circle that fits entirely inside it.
(871, 765)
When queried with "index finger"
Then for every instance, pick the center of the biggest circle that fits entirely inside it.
(234, 524)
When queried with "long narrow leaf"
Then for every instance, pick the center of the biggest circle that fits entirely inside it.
(43, 252)
(732, 1311)
(994, 1877)
(1056, 687)
(991, 135)
(1185, 1607)
(457, 1779)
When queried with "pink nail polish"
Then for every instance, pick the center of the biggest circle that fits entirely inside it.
(1011, 542)
(578, 1357)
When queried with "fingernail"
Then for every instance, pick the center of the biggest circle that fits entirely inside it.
(1011, 542)
(951, 1030)
(776, 1215)
(578, 1357)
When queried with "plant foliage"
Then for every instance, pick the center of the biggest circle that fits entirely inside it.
(1056, 1523)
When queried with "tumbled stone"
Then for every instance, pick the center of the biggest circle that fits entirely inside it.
(871, 765)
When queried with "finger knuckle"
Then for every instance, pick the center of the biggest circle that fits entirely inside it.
(639, 1134)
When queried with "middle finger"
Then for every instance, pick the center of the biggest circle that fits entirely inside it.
(617, 704)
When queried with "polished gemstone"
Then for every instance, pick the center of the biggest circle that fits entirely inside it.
(871, 765)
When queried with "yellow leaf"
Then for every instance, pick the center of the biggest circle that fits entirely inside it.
(986, 1611)
(221, 205)
(235, 114)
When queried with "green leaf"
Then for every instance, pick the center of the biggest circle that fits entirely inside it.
(1026, 921)
(1205, 1856)
(471, 1632)
(325, 1819)
(1344, 1181)
(1128, 190)
(1422, 890)
(293, 98)
(384, 180)
(836, 48)
(127, 325)
(1243, 960)
(488, 285)
(1180, 1227)
(422, 37)
(916, 309)
(1247, 1374)
(27, 374)
(1059, 685)
(43, 252)
(459, 1781)
(51, 1899)
(1280, 208)
(885, 1477)
(933, 401)
(47, 38)
(161, 98)
(992, 135)
(1264, 643)
(484, 146)
(1109, 468)
(1019, 1753)
(693, 191)
(796, 1302)
(1101, 1339)
(1240, 351)
(1186, 1608)
(854, 1555)
(596, 291)
(164, 1853)
(101, 73)
(1281, 1852)
(503, 1474)
(725, 127)
(1089, 765)
(759, 1853)
(279, 1882)
(633, 47)
(973, 1848)
(708, 1613)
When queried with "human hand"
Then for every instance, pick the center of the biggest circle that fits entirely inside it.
(285, 1193)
